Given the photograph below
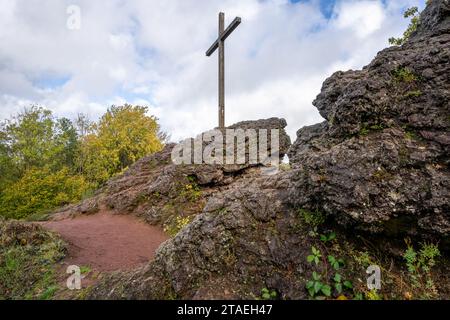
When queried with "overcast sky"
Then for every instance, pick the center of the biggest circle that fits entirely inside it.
(152, 53)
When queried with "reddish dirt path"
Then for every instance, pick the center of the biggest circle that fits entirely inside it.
(107, 242)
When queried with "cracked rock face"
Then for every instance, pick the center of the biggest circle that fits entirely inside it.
(380, 161)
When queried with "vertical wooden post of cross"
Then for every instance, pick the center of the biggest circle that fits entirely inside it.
(221, 71)
(220, 44)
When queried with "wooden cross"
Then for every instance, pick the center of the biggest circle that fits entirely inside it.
(220, 43)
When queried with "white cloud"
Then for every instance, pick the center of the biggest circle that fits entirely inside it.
(363, 17)
(153, 53)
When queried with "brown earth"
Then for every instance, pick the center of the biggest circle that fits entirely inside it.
(108, 242)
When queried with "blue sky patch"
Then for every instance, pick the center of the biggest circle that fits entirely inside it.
(50, 81)
(326, 6)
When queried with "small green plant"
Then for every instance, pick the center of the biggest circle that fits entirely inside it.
(366, 129)
(404, 74)
(335, 263)
(175, 226)
(326, 283)
(316, 286)
(340, 284)
(413, 94)
(410, 135)
(364, 259)
(191, 192)
(328, 237)
(358, 296)
(85, 269)
(315, 256)
(373, 295)
(363, 132)
(376, 127)
(48, 293)
(419, 265)
(267, 294)
(312, 218)
(414, 14)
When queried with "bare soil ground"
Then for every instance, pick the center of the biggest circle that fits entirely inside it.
(106, 242)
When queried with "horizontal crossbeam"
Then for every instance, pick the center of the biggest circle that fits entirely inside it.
(233, 25)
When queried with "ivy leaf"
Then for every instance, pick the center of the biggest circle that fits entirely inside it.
(338, 287)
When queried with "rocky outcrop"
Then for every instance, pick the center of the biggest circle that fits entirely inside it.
(378, 164)
(243, 238)
(158, 191)
(380, 160)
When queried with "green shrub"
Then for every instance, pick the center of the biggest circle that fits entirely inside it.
(419, 265)
(404, 74)
(40, 190)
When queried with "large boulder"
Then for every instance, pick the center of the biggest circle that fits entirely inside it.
(158, 190)
(380, 160)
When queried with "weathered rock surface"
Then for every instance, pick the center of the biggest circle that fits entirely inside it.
(379, 163)
(243, 238)
(157, 190)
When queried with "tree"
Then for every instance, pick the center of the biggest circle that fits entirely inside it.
(37, 163)
(123, 135)
(66, 143)
(35, 139)
(47, 162)
(8, 170)
(83, 125)
(28, 137)
(412, 12)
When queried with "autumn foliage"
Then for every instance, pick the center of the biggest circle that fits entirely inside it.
(46, 162)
